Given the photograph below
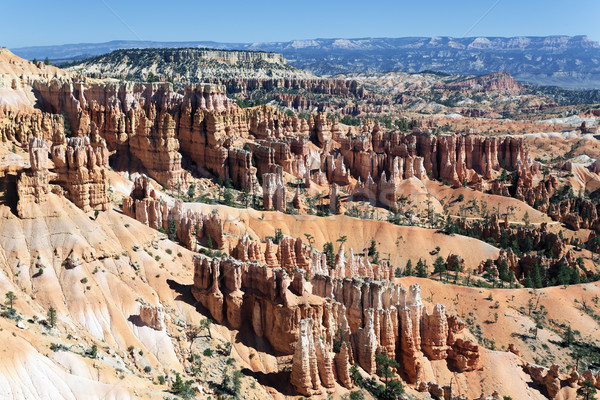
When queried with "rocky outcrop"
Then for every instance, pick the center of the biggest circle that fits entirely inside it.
(149, 125)
(576, 213)
(22, 125)
(547, 378)
(81, 170)
(380, 160)
(463, 355)
(248, 250)
(369, 317)
(324, 362)
(274, 192)
(188, 226)
(537, 237)
(305, 369)
(33, 184)
(498, 81)
(342, 367)
(590, 377)
(435, 333)
(153, 316)
(151, 128)
(270, 255)
(366, 344)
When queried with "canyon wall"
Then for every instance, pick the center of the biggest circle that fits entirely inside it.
(187, 226)
(310, 319)
(151, 128)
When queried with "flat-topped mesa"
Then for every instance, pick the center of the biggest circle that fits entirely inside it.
(33, 184)
(81, 170)
(189, 227)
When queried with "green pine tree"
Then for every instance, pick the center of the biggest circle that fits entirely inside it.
(421, 269)
(409, 269)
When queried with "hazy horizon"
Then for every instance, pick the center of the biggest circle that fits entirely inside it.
(291, 40)
(36, 23)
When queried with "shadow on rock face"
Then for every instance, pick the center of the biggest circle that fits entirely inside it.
(184, 292)
(279, 381)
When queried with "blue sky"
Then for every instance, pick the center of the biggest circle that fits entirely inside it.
(30, 23)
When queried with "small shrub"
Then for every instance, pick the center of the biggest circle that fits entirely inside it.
(57, 347)
(93, 352)
(181, 388)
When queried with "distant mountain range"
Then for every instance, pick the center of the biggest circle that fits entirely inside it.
(565, 61)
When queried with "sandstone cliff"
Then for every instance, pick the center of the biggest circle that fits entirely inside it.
(374, 316)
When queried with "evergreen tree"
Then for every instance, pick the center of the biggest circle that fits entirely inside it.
(191, 191)
(569, 338)
(330, 256)
(409, 269)
(587, 390)
(537, 277)
(575, 278)
(439, 267)
(51, 316)
(528, 283)
(172, 234)
(511, 277)
(228, 197)
(503, 271)
(384, 367)
(181, 388)
(10, 302)
(527, 244)
(421, 269)
(373, 251)
(563, 276)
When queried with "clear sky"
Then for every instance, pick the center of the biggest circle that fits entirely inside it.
(43, 22)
